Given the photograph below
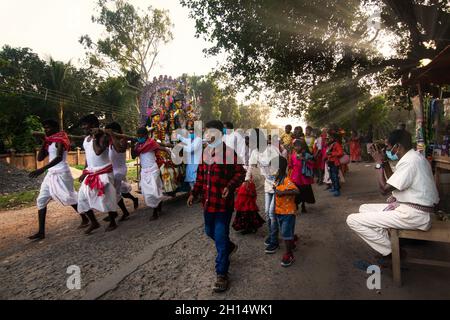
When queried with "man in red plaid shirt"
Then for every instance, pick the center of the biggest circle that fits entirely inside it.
(220, 174)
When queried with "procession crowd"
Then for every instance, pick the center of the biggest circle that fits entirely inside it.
(218, 169)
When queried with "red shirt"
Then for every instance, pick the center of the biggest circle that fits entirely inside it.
(336, 153)
(213, 178)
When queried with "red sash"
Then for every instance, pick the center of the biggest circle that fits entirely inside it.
(61, 137)
(147, 146)
(93, 180)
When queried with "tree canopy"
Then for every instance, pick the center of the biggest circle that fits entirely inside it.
(292, 47)
(132, 41)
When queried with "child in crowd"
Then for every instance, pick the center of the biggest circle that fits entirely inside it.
(334, 154)
(285, 210)
(302, 173)
(287, 137)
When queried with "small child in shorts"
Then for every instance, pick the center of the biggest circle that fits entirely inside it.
(285, 210)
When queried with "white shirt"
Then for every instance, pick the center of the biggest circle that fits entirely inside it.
(192, 148)
(148, 160)
(236, 142)
(93, 160)
(118, 160)
(413, 178)
(318, 143)
(52, 153)
(262, 160)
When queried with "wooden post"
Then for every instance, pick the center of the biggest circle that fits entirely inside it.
(420, 128)
(78, 156)
(13, 157)
(396, 263)
(36, 162)
(138, 173)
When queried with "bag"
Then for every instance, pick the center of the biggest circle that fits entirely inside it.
(307, 171)
(345, 159)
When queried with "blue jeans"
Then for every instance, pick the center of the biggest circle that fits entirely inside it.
(271, 218)
(217, 227)
(287, 225)
(334, 176)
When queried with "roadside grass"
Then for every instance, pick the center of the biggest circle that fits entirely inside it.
(24, 199)
(18, 199)
(78, 167)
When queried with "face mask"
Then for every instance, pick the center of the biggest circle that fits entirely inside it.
(224, 131)
(392, 157)
(192, 135)
(215, 144)
(141, 140)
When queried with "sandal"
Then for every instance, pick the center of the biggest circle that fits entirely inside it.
(111, 228)
(124, 217)
(221, 284)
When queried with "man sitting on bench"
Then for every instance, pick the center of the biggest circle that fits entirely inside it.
(414, 195)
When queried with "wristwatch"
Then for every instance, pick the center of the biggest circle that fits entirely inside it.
(379, 166)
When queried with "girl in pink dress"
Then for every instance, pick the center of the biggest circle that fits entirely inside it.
(302, 173)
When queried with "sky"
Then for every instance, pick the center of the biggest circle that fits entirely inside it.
(53, 28)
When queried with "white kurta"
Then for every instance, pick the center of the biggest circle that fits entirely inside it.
(151, 184)
(120, 169)
(263, 161)
(414, 182)
(236, 142)
(88, 198)
(58, 183)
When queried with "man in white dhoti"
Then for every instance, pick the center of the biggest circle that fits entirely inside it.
(58, 183)
(97, 181)
(117, 155)
(414, 195)
(151, 184)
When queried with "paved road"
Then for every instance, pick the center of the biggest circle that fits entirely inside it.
(172, 259)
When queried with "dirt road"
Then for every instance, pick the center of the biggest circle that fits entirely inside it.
(172, 259)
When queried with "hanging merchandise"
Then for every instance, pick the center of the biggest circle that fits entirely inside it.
(420, 125)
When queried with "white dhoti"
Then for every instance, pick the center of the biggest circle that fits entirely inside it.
(57, 185)
(90, 199)
(151, 186)
(372, 224)
(125, 187)
(121, 185)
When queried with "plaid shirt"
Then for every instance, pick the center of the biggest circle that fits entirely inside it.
(213, 178)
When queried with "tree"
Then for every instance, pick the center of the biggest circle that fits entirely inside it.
(253, 116)
(21, 74)
(115, 93)
(208, 90)
(61, 81)
(291, 47)
(133, 40)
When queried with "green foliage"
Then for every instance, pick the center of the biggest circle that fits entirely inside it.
(115, 92)
(291, 47)
(133, 38)
(218, 101)
(18, 199)
(24, 140)
(32, 87)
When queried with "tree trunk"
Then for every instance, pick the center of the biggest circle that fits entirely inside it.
(61, 115)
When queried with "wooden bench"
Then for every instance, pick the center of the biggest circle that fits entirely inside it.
(439, 232)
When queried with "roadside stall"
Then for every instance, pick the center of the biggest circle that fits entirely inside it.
(432, 108)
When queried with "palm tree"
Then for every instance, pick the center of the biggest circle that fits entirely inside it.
(59, 80)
